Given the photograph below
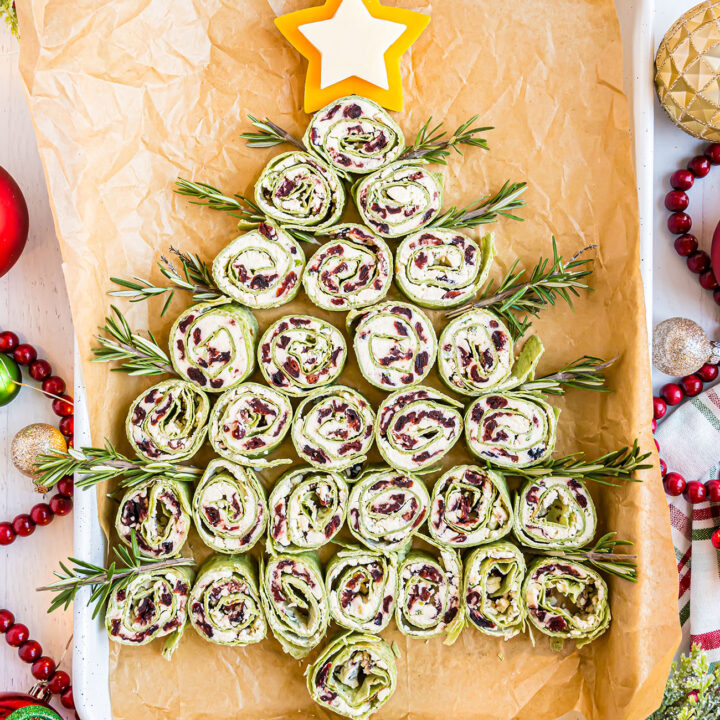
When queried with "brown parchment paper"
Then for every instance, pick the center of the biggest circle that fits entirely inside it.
(128, 94)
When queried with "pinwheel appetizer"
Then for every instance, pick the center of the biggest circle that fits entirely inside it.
(443, 268)
(213, 345)
(352, 270)
(168, 421)
(554, 513)
(300, 191)
(333, 428)
(493, 590)
(153, 604)
(354, 135)
(260, 269)
(354, 676)
(511, 429)
(386, 509)
(395, 344)
(417, 427)
(470, 506)
(157, 513)
(566, 600)
(225, 606)
(361, 587)
(295, 601)
(248, 422)
(400, 198)
(299, 353)
(307, 509)
(476, 354)
(428, 597)
(229, 507)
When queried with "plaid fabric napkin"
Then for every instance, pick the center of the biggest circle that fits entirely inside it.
(689, 442)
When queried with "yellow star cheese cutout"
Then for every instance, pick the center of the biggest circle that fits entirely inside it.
(353, 47)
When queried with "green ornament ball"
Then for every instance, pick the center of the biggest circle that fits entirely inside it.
(9, 377)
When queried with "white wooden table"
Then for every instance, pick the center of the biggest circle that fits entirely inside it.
(33, 304)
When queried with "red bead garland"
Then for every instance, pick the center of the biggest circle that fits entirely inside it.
(30, 651)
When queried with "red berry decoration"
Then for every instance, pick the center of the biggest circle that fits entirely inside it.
(676, 201)
(61, 505)
(64, 406)
(7, 534)
(692, 385)
(30, 651)
(8, 341)
(698, 262)
(65, 486)
(25, 354)
(13, 222)
(67, 425)
(40, 369)
(653, 425)
(59, 682)
(16, 635)
(712, 153)
(7, 619)
(708, 372)
(715, 539)
(23, 525)
(54, 385)
(671, 393)
(43, 668)
(712, 488)
(694, 491)
(699, 166)
(663, 467)
(674, 484)
(686, 245)
(659, 408)
(41, 514)
(682, 180)
(67, 698)
(679, 223)
(707, 280)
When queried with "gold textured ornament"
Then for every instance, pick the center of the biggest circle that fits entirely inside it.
(687, 71)
(681, 347)
(33, 440)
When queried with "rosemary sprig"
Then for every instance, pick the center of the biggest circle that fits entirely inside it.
(433, 144)
(204, 194)
(485, 210)
(585, 373)
(549, 280)
(194, 276)
(270, 135)
(103, 581)
(94, 465)
(137, 355)
(619, 465)
(602, 555)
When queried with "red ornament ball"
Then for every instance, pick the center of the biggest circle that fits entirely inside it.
(61, 505)
(41, 514)
(712, 153)
(7, 534)
(64, 406)
(674, 483)
(708, 372)
(54, 385)
(676, 201)
(40, 369)
(695, 492)
(17, 705)
(30, 651)
(686, 245)
(692, 385)
(659, 408)
(43, 668)
(59, 682)
(679, 223)
(682, 180)
(23, 525)
(25, 354)
(699, 166)
(8, 341)
(7, 619)
(713, 490)
(671, 393)
(16, 635)
(14, 221)
(698, 262)
(663, 468)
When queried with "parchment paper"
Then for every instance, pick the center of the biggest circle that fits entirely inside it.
(127, 95)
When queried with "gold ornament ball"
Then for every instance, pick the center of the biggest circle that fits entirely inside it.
(680, 347)
(33, 440)
(687, 71)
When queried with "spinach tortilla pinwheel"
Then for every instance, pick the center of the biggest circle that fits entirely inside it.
(470, 506)
(354, 676)
(260, 269)
(493, 590)
(566, 600)
(442, 268)
(354, 135)
(417, 427)
(213, 345)
(229, 507)
(168, 421)
(361, 586)
(386, 509)
(248, 422)
(511, 429)
(300, 191)
(476, 354)
(554, 513)
(299, 353)
(399, 199)
(352, 270)
(307, 509)
(295, 601)
(395, 344)
(158, 514)
(429, 594)
(333, 428)
(153, 604)
(225, 605)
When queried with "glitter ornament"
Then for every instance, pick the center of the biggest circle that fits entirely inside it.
(33, 440)
(681, 347)
(18, 706)
(687, 71)
(10, 376)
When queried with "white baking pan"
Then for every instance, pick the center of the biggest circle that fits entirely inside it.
(90, 650)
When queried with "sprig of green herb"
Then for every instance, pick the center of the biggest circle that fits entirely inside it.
(433, 144)
(585, 373)
(9, 15)
(270, 135)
